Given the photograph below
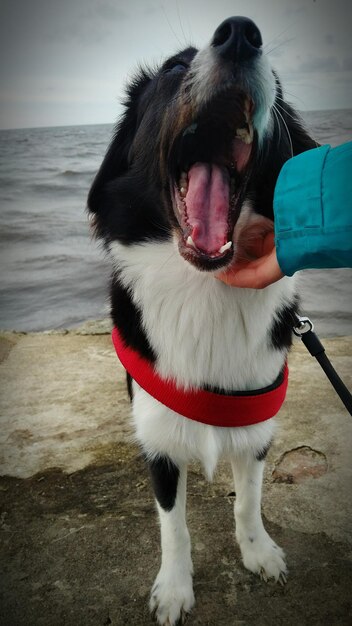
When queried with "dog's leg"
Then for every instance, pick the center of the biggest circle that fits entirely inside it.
(260, 553)
(172, 593)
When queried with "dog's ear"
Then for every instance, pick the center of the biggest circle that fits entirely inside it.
(116, 160)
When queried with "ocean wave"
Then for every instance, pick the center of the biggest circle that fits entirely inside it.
(76, 173)
(57, 189)
(23, 235)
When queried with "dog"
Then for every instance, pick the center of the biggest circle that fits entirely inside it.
(192, 164)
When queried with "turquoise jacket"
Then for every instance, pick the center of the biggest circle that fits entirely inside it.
(313, 210)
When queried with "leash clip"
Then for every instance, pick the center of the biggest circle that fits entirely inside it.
(303, 329)
(304, 325)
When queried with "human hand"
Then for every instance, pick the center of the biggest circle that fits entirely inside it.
(256, 265)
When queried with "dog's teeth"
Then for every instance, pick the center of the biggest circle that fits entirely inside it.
(183, 184)
(244, 134)
(190, 242)
(225, 247)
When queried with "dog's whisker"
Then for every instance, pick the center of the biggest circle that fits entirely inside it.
(294, 118)
(286, 127)
(277, 122)
(317, 143)
(276, 37)
(180, 22)
(161, 227)
(279, 45)
(293, 95)
(278, 97)
(170, 26)
(284, 110)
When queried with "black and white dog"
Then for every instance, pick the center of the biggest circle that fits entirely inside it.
(193, 163)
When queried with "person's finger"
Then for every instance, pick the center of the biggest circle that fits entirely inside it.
(256, 274)
(255, 240)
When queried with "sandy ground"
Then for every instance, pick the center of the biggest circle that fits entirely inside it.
(79, 536)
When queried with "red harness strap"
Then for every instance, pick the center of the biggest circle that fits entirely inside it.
(216, 409)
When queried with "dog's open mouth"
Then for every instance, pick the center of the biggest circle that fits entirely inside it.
(212, 164)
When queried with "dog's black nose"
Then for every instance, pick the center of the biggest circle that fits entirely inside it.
(237, 39)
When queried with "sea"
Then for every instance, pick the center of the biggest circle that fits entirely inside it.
(54, 276)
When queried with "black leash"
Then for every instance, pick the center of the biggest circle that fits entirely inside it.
(304, 329)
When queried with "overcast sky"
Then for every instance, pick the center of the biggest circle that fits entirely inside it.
(66, 61)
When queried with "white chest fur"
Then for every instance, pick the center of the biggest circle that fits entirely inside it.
(203, 332)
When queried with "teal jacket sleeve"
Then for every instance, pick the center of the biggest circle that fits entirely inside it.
(313, 210)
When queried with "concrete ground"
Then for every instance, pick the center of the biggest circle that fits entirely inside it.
(79, 535)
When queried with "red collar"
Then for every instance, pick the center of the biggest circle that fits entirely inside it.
(216, 409)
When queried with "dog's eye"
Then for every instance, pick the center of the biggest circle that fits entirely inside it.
(176, 68)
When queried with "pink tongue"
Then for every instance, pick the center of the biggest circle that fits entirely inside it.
(207, 200)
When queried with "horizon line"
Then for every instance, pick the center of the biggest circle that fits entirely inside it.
(45, 126)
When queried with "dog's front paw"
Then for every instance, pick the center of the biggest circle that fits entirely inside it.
(171, 597)
(262, 556)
